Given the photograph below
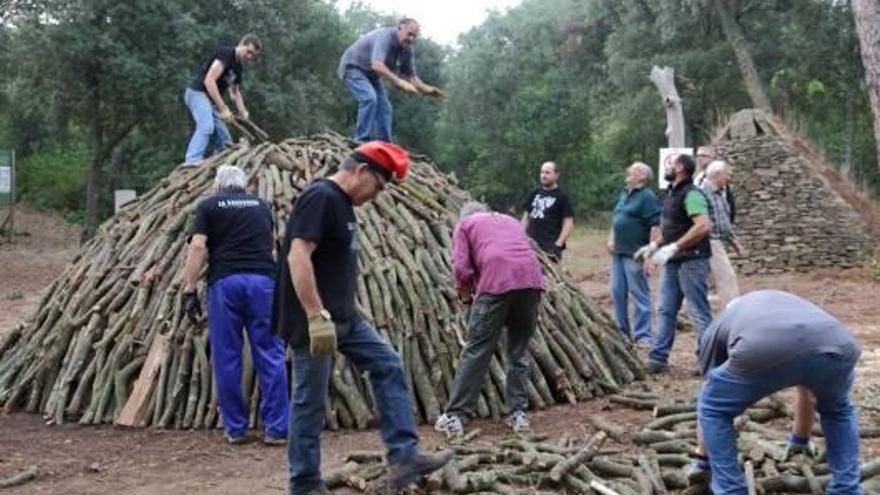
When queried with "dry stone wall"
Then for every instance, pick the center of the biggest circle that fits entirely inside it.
(787, 217)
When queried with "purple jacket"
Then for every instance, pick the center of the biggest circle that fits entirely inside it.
(491, 254)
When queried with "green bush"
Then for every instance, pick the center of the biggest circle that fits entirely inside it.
(55, 178)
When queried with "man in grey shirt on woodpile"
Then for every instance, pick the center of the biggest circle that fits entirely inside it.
(384, 53)
(766, 341)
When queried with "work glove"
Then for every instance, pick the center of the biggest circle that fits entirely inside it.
(645, 251)
(555, 253)
(193, 306)
(226, 116)
(322, 336)
(809, 449)
(664, 254)
(245, 115)
(407, 86)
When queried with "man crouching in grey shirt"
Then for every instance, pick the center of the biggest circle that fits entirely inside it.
(763, 342)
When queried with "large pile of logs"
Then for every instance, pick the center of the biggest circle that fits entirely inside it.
(612, 460)
(109, 342)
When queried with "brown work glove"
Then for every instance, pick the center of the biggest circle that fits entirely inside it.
(322, 336)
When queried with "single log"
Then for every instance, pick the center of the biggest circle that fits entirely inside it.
(749, 469)
(27, 474)
(583, 455)
(652, 470)
(648, 437)
(615, 431)
(668, 409)
(602, 489)
(633, 403)
(667, 422)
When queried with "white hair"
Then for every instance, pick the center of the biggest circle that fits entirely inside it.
(645, 169)
(717, 166)
(470, 208)
(229, 176)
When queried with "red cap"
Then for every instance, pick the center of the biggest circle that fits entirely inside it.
(388, 159)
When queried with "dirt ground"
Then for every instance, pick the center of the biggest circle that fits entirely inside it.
(107, 460)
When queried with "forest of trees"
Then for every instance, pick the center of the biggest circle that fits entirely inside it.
(91, 91)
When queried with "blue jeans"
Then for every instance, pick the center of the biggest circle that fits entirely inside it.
(210, 129)
(679, 280)
(245, 300)
(363, 346)
(628, 277)
(374, 113)
(725, 395)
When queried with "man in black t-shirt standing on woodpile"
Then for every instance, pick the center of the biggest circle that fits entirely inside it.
(549, 217)
(315, 310)
(221, 70)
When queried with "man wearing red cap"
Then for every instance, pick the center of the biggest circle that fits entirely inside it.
(315, 311)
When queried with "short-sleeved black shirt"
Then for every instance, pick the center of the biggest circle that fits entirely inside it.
(232, 70)
(547, 208)
(323, 213)
(239, 230)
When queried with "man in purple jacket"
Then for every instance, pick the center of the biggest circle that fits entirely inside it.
(496, 269)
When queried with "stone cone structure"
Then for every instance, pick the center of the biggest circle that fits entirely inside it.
(110, 342)
(793, 213)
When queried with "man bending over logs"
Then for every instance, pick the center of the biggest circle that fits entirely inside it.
(764, 342)
(315, 310)
(493, 261)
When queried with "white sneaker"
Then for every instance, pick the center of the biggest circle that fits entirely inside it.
(518, 421)
(449, 424)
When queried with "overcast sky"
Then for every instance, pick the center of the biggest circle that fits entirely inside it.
(441, 20)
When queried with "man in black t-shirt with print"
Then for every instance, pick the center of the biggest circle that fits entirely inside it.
(235, 229)
(221, 70)
(549, 217)
(315, 311)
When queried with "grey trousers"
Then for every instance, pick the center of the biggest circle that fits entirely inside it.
(516, 309)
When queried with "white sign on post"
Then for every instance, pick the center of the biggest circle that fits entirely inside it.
(6, 180)
(121, 197)
(667, 155)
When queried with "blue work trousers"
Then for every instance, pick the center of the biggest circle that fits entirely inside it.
(726, 395)
(374, 112)
(361, 344)
(628, 279)
(680, 280)
(245, 301)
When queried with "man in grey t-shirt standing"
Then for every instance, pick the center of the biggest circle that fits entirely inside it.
(763, 342)
(384, 53)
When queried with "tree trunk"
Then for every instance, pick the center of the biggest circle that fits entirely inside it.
(849, 131)
(867, 17)
(664, 80)
(93, 189)
(737, 41)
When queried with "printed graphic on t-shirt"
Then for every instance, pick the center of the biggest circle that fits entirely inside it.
(238, 203)
(541, 204)
(230, 78)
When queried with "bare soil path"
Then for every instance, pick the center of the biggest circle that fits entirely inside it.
(88, 460)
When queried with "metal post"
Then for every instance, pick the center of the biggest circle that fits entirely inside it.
(11, 229)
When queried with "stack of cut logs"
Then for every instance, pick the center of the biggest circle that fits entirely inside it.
(110, 342)
(615, 461)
